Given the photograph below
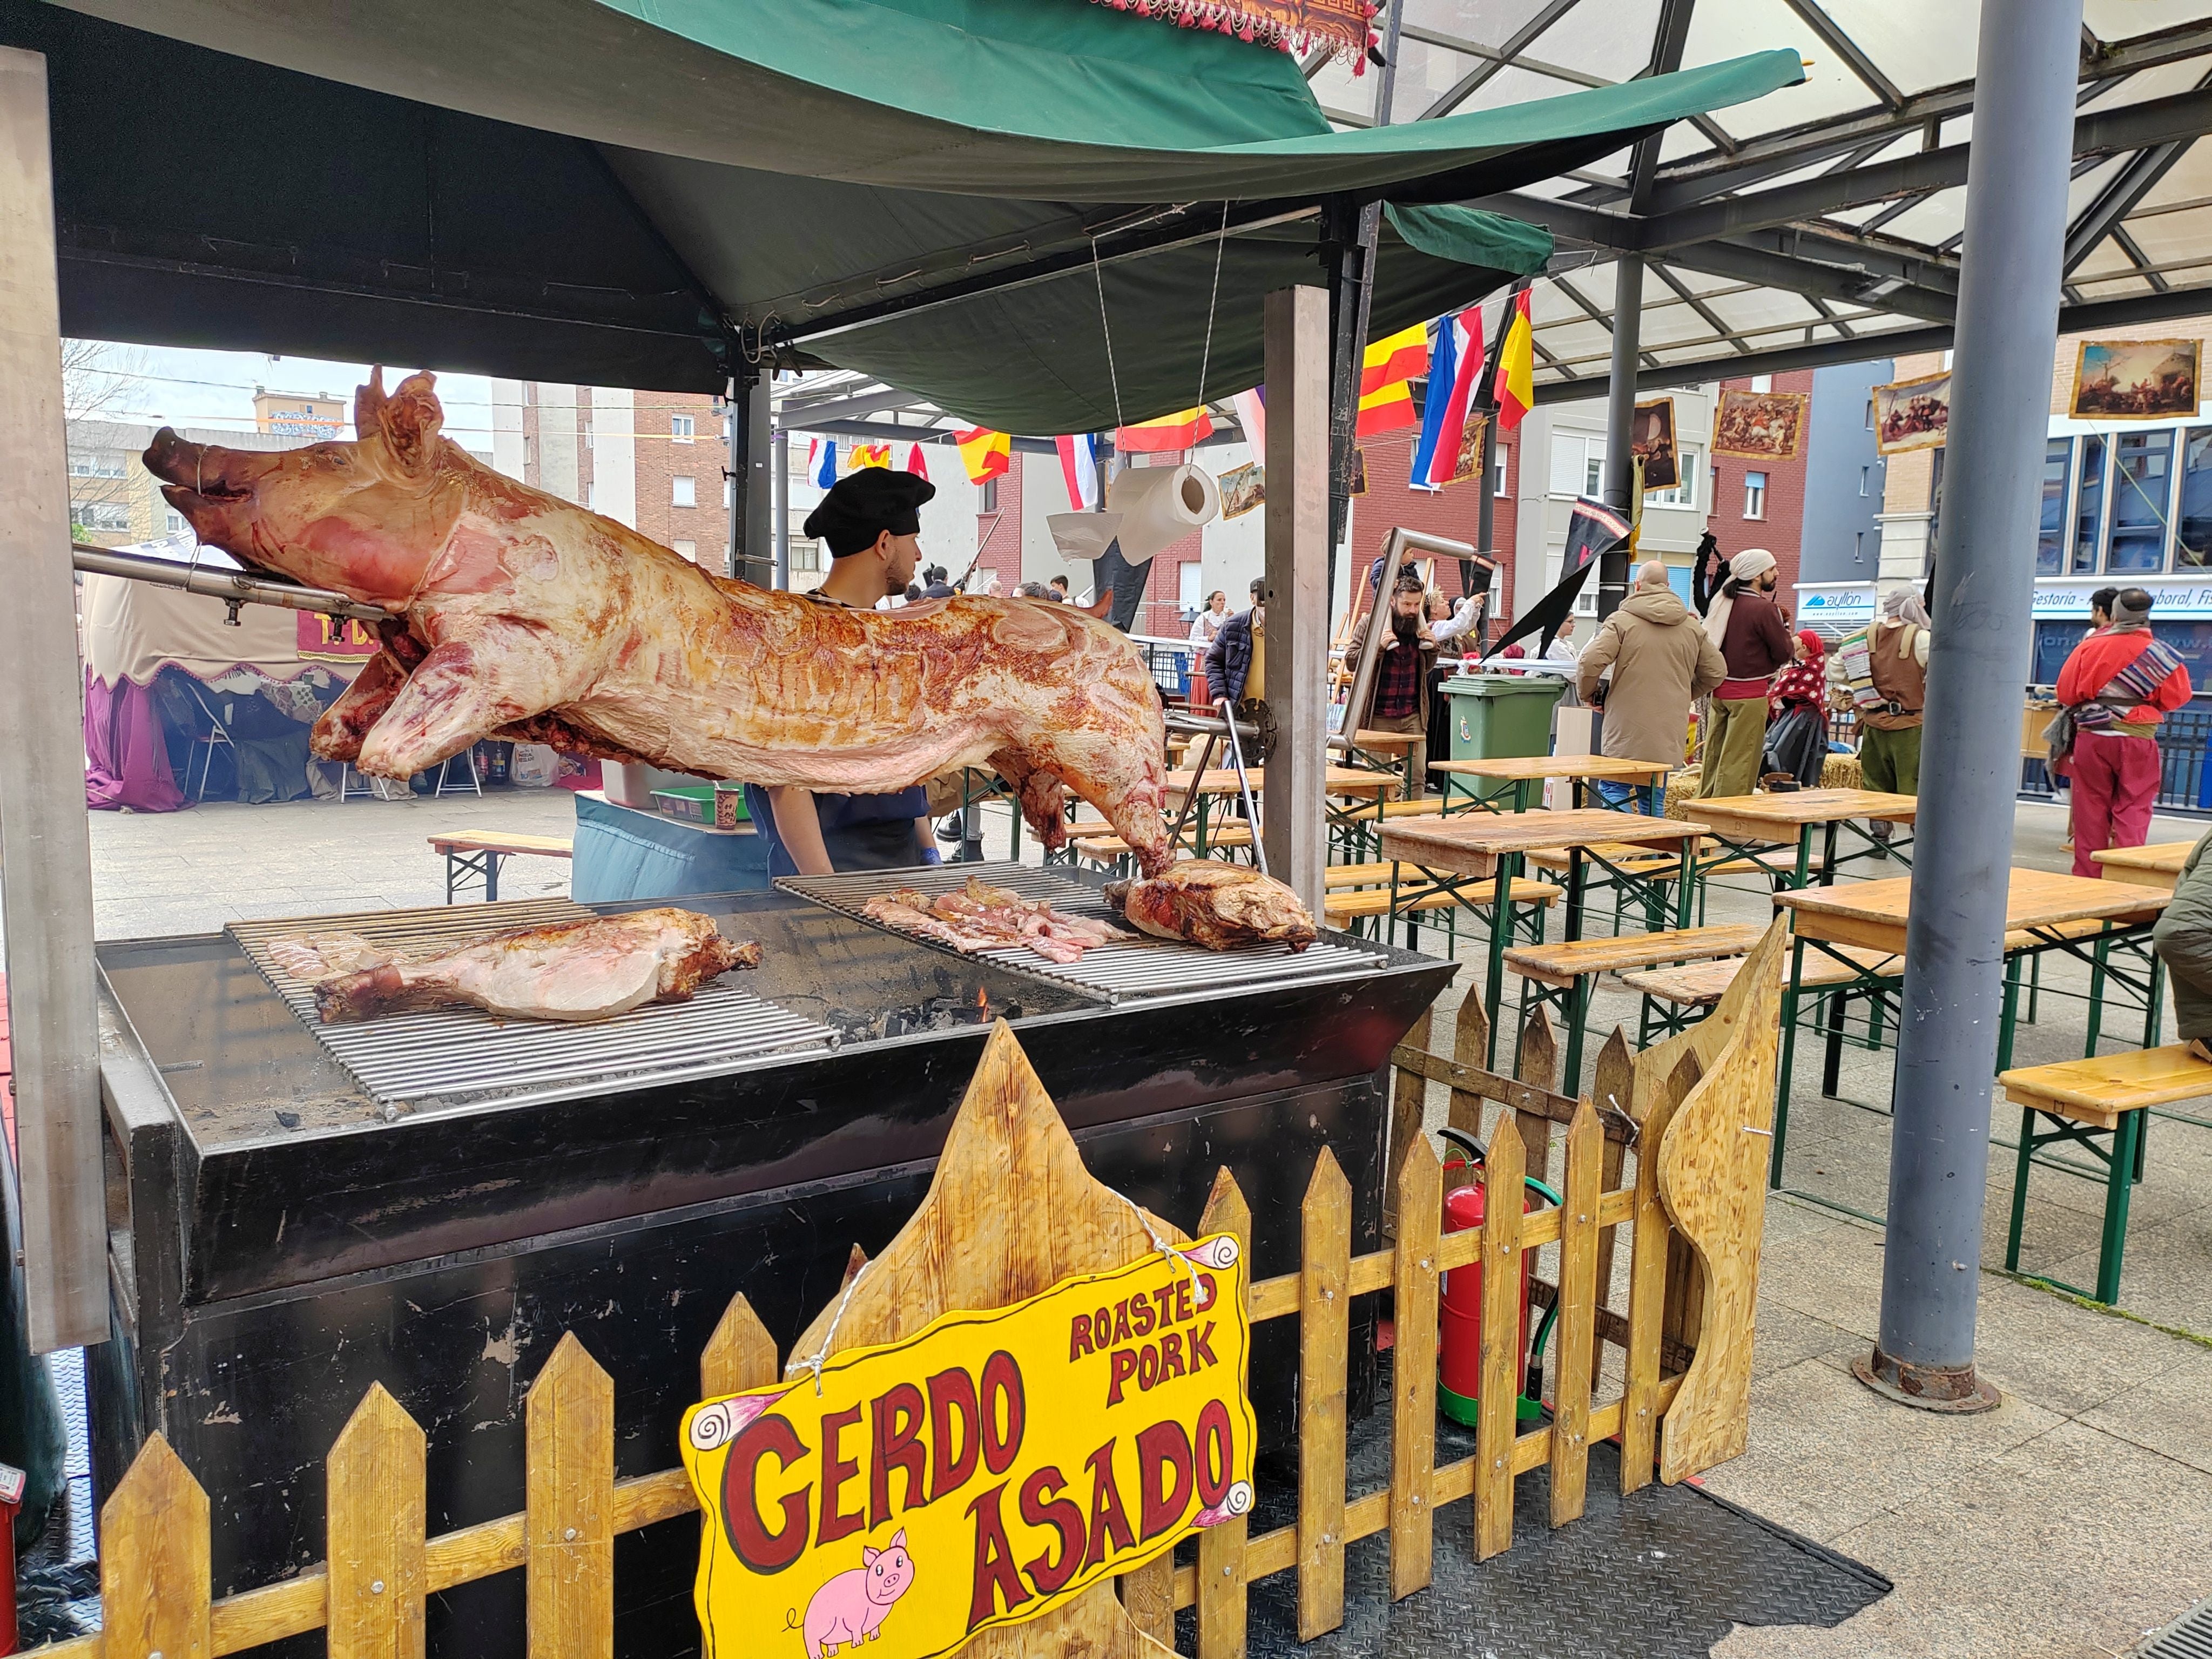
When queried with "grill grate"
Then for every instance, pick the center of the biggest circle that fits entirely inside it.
(1144, 967)
(461, 1052)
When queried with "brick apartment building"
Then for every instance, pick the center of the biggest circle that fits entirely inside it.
(1761, 503)
(653, 460)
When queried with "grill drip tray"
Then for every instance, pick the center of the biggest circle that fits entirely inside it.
(1144, 967)
(459, 1052)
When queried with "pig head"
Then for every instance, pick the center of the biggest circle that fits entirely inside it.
(367, 518)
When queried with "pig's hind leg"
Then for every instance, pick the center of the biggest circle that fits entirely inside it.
(464, 689)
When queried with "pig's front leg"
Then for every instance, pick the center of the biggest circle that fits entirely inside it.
(338, 731)
(464, 689)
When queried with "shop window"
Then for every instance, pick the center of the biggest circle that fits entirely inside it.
(2142, 487)
(1755, 495)
(2088, 507)
(2193, 534)
(2050, 528)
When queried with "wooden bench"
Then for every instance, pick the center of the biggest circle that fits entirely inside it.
(1427, 806)
(1348, 905)
(475, 854)
(2085, 1102)
(1568, 970)
(1112, 849)
(1690, 990)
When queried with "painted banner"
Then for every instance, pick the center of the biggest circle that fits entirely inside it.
(334, 639)
(981, 1472)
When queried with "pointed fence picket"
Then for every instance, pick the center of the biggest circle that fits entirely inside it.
(369, 1596)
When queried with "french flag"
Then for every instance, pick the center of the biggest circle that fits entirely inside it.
(1079, 466)
(1454, 368)
(822, 461)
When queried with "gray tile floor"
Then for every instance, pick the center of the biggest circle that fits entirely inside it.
(2069, 1522)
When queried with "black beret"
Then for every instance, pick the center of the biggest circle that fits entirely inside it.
(862, 505)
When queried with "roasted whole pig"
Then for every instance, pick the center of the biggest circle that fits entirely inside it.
(520, 615)
(577, 970)
(1219, 906)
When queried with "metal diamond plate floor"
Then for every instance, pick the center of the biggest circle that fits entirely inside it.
(1663, 1574)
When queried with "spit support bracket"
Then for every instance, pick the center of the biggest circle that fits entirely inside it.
(234, 588)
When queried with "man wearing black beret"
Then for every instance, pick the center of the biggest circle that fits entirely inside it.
(871, 521)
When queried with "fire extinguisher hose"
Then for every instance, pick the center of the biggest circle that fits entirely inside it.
(1533, 1388)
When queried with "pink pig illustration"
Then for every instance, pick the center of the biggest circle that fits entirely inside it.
(849, 1609)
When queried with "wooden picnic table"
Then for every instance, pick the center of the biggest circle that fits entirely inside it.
(2044, 911)
(2156, 866)
(1748, 826)
(1345, 780)
(1523, 772)
(477, 852)
(1476, 846)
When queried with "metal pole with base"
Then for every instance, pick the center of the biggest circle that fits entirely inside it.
(1619, 425)
(1295, 830)
(2015, 230)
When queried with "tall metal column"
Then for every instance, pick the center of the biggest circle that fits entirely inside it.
(2015, 232)
(45, 857)
(1620, 422)
(752, 426)
(1295, 824)
(780, 489)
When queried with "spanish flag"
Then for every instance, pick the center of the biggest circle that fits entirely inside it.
(986, 454)
(1386, 399)
(1180, 430)
(871, 455)
(1517, 368)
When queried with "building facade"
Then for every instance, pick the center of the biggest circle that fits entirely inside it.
(653, 460)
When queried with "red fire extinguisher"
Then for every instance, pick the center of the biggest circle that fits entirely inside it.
(1459, 1316)
(12, 1498)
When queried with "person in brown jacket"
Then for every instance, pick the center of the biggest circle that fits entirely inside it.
(1398, 698)
(1661, 661)
(1754, 641)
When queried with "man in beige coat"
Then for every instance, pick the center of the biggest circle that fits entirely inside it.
(1662, 661)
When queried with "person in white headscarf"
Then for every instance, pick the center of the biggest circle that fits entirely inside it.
(1880, 674)
(1747, 625)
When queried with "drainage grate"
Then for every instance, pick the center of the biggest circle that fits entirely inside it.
(461, 1052)
(2189, 1637)
(1144, 967)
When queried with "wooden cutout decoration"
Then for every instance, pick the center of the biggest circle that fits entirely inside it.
(1222, 1610)
(375, 1543)
(154, 1560)
(1712, 1179)
(1009, 1213)
(569, 1521)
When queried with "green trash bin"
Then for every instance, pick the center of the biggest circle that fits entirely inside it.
(1497, 715)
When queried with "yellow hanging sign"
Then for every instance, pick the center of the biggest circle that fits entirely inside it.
(980, 1472)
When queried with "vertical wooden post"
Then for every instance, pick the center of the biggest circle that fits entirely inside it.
(375, 1528)
(739, 1355)
(45, 876)
(1650, 1249)
(1414, 1370)
(1575, 1343)
(1613, 1083)
(569, 1533)
(1324, 1330)
(1409, 1103)
(154, 1561)
(1221, 1593)
(1295, 824)
(1538, 1066)
(1502, 1337)
(1148, 1597)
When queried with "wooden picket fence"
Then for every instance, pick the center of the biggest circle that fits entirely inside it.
(1684, 1336)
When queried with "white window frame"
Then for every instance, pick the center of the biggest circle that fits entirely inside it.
(682, 490)
(682, 429)
(1685, 493)
(1190, 586)
(1755, 497)
(686, 549)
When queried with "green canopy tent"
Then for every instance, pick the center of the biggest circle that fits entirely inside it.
(658, 193)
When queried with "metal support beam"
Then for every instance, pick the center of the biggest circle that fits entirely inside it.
(1620, 420)
(752, 558)
(2102, 217)
(781, 507)
(2015, 232)
(1295, 824)
(1840, 41)
(46, 856)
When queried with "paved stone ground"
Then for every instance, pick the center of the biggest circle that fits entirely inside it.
(2069, 1522)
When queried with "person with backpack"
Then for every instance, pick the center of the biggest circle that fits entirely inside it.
(1880, 674)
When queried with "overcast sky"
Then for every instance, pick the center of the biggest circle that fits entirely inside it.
(173, 385)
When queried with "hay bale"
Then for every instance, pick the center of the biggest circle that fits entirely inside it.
(1841, 772)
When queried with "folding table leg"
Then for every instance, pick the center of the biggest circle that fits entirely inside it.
(2099, 953)
(2008, 1018)
(2020, 1166)
(2113, 1246)
(1789, 1054)
(1832, 1069)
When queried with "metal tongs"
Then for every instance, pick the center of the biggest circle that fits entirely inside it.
(1227, 727)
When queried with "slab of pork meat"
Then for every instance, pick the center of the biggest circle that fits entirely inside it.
(984, 917)
(578, 970)
(520, 615)
(1220, 906)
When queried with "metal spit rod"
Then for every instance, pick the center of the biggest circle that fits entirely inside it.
(233, 588)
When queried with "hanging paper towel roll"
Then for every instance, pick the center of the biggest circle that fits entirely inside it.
(1160, 505)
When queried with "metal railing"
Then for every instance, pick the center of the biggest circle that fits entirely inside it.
(2184, 739)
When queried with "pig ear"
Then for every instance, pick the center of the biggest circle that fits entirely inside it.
(409, 420)
(898, 1539)
(868, 1556)
(369, 404)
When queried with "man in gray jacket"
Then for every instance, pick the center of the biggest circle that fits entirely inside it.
(2183, 939)
(1660, 660)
